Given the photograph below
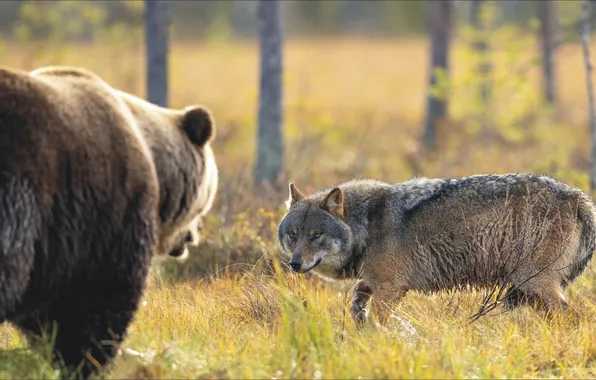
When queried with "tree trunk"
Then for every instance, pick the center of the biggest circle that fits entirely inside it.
(270, 118)
(481, 48)
(440, 25)
(590, 87)
(548, 29)
(157, 48)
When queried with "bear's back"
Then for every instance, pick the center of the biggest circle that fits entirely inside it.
(53, 116)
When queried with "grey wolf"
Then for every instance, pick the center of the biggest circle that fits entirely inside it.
(530, 233)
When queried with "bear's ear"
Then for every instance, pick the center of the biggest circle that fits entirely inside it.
(334, 203)
(295, 196)
(198, 124)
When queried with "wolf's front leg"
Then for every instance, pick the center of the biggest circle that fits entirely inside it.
(386, 296)
(361, 296)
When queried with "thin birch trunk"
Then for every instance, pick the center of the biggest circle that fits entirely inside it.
(270, 118)
(157, 50)
(440, 28)
(588, 63)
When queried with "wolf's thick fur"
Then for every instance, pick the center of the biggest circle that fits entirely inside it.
(93, 183)
(529, 232)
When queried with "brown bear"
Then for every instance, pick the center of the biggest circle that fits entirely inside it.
(93, 183)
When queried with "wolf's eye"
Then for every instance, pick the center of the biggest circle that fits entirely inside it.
(292, 235)
(317, 235)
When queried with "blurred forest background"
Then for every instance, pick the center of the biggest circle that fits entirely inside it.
(322, 91)
(194, 20)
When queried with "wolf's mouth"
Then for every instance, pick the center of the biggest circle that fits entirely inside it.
(310, 266)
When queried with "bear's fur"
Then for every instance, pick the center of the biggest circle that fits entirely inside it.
(93, 183)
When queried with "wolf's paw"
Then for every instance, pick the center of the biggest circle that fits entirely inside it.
(358, 311)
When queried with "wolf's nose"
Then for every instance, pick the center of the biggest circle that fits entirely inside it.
(295, 265)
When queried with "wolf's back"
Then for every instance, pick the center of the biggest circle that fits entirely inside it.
(488, 202)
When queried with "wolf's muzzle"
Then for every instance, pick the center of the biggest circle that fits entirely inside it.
(295, 265)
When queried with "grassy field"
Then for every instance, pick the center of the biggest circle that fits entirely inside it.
(354, 108)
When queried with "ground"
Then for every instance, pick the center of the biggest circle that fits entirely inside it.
(354, 107)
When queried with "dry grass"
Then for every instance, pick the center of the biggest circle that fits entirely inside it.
(353, 108)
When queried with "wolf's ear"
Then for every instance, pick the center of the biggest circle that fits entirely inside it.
(334, 202)
(295, 195)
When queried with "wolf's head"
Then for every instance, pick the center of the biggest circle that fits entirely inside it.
(314, 233)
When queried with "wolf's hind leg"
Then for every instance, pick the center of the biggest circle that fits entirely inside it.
(515, 297)
(544, 294)
(360, 297)
(551, 298)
